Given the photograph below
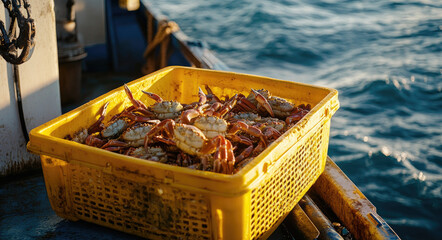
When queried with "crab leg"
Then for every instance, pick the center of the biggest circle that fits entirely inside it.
(244, 154)
(224, 157)
(240, 139)
(144, 112)
(166, 126)
(254, 131)
(114, 145)
(271, 132)
(258, 149)
(227, 106)
(245, 104)
(92, 140)
(164, 140)
(230, 157)
(263, 101)
(296, 115)
(135, 117)
(213, 108)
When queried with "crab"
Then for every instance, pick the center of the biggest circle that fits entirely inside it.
(161, 109)
(192, 141)
(164, 109)
(87, 133)
(209, 121)
(275, 106)
(135, 134)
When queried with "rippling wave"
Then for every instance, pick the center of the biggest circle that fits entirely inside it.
(384, 57)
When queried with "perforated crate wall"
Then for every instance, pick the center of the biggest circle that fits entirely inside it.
(152, 210)
(279, 193)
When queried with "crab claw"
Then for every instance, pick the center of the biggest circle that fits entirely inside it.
(97, 126)
(202, 96)
(188, 115)
(154, 96)
(136, 103)
(263, 101)
(210, 94)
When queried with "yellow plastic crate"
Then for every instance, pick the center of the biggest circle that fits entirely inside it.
(160, 201)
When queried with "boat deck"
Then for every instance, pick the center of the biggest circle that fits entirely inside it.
(27, 214)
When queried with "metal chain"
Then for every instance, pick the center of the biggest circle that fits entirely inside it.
(9, 43)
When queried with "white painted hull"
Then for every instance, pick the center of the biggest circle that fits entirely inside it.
(39, 89)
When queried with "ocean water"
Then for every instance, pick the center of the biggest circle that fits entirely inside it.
(384, 58)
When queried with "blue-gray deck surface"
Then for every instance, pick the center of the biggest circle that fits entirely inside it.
(25, 213)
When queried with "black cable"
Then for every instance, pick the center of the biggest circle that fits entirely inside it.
(20, 103)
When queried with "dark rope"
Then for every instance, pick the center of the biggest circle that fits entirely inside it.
(20, 103)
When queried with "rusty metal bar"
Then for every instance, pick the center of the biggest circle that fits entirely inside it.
(300, 226)
(348, 203)
(326, 229)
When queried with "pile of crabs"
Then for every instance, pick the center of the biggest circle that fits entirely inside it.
(213, 134)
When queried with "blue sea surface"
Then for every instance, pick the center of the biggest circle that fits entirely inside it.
(384, 58)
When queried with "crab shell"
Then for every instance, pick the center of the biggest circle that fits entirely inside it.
(167, 109)
(281, 107)
(115, 128)
(156, 154)
(273, 122)
(189, 138)
(80, 136)
(211, 126)
(134, 136)
(247, 116)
